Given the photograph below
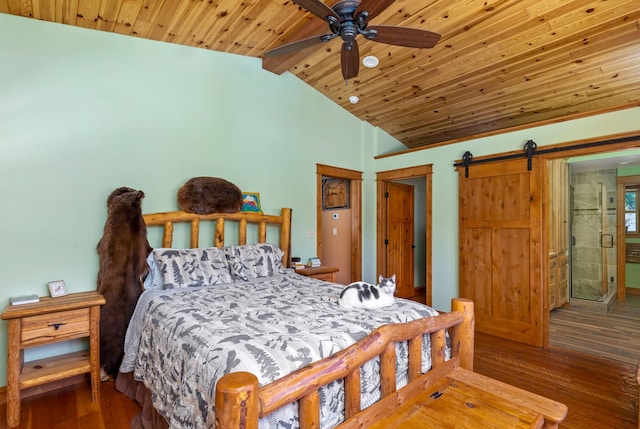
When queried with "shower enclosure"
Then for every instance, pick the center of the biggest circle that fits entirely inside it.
(593, 233)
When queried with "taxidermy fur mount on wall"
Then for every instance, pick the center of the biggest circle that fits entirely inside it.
(122, 254)
(204, 195)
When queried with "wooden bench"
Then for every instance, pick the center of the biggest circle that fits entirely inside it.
(450, 395)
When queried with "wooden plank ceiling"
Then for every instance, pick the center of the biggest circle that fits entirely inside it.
(500, 63)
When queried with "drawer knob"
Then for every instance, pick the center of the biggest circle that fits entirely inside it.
(56, 326)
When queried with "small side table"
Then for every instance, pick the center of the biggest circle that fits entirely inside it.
(51, 320)
(321, 273)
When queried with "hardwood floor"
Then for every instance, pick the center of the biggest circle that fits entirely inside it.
(607, 335)
(70, 407)
(628, 308)
(615, 335)
(600, 393)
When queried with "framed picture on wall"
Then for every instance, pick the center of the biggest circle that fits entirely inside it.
(251, 202)
(335, 193)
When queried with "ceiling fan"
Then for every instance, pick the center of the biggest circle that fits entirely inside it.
(347, 19)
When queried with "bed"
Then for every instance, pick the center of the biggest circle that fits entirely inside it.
(228, 336)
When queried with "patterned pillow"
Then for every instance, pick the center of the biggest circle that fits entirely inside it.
(251, 261)
(192, 267)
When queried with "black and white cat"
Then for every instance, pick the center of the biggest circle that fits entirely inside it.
(366, 295)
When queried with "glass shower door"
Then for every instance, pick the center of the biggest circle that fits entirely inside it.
(589, 241)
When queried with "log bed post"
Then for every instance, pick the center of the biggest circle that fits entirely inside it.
(462, 335)
(285, 236)
(237, 401)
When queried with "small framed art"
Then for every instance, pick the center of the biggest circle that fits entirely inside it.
(251, 202)
(57, 288)
(335, 193)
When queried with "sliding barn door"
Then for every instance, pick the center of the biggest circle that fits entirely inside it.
(501, 248)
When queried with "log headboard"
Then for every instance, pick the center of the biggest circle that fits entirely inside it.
(223, 221)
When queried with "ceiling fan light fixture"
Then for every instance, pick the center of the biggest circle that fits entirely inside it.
(354, 99)
(370, 61)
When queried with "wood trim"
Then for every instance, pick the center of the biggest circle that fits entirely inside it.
(343, 173)
(355, 178)
(633, 291)
(621, 251)
(406, 173)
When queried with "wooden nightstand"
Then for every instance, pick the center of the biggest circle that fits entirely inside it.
(321, 273)
(51, 320)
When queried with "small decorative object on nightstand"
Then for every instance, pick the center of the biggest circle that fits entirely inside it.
(57, 288)
(76, 315)
(321, 273)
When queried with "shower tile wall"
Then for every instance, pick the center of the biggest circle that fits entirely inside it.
(587, 227)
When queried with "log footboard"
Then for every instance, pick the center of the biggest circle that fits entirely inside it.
(450, 387)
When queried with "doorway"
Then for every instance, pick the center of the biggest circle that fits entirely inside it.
(400, 247)
(605, 277)
(339, 221)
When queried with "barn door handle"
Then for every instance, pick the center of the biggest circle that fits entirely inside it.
(606, 240)
(56, 326)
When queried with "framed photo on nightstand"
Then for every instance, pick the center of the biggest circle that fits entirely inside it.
(57, 288)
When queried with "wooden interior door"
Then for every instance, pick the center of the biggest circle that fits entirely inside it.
(501, 248)
(400, 237)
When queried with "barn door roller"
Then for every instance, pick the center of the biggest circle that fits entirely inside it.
(530, 147)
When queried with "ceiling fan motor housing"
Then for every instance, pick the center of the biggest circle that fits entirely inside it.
(349, 26)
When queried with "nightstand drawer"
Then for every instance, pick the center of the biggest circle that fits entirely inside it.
(327, 274)
(59, 326)
(328, 277)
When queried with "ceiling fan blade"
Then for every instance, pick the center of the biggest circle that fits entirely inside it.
(350, 60)
(294, 46)
(404, 36)
(317, 8)
(373, 7)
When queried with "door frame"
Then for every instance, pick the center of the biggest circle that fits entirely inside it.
(382, 177)
(355, 202)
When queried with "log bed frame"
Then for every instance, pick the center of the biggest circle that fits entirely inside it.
(448, 395)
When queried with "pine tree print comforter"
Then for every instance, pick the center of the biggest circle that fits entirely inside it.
(181, 341)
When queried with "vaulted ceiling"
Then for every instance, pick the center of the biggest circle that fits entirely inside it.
(500, 64)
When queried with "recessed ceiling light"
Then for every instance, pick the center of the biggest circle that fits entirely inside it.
(370, 61)
(354, 99)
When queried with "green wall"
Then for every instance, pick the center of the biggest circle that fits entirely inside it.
(83, 112)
